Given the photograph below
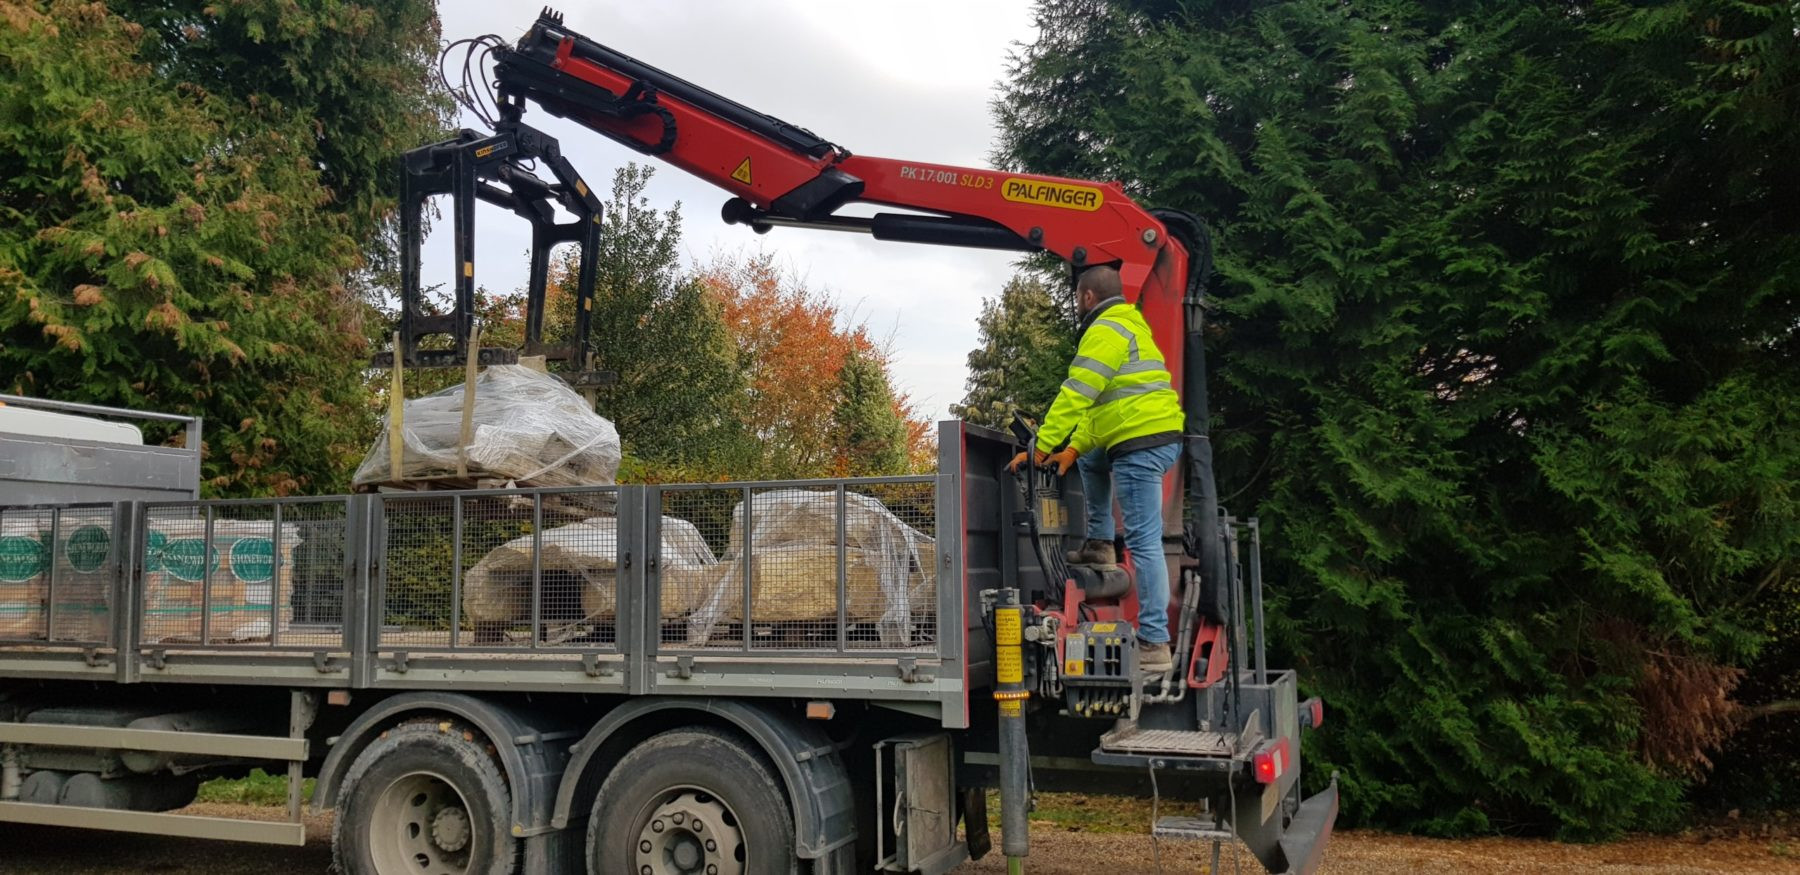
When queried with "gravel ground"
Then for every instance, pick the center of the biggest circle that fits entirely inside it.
(1055, 851)
(1359, 853)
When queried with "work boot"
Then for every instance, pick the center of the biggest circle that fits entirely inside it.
(1155, 658)
(1096, 553)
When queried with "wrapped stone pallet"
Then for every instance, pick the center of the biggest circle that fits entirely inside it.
(890, 572)
(525, 428)
(578, 565)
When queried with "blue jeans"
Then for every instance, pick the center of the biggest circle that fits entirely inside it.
(1139, 475)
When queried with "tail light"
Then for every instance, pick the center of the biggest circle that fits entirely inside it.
(1312, 713)
(1271, 762)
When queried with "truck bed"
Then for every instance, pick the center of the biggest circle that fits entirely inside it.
(859, 593)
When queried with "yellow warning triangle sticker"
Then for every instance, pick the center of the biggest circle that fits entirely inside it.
(742, 173)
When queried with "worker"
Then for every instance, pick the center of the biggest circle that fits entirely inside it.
(1118, 419)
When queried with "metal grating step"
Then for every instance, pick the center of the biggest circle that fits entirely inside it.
(1190, 829)
(1172, 742)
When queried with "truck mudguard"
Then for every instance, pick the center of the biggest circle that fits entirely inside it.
(532, 754)
(811, 770)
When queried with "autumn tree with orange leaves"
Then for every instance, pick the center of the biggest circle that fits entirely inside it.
(818, 398)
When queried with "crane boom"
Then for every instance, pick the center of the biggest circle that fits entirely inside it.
(779, 174)
(784, 173)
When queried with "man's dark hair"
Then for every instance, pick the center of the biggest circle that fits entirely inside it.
(1103, 281)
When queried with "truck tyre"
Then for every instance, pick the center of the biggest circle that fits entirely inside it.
(426, 798)
(691, 802)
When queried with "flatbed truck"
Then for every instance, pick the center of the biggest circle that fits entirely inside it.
(820, 745)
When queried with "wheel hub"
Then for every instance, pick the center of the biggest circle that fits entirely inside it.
(450, 829)
(692, 833)
(421, 825)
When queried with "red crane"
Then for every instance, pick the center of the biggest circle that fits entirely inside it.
(781, 175)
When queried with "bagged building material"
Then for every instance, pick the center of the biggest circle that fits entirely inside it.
(578, 565)
(230, 589)
(24, 561)
(890, 568)
(82, 560)
(528, 428)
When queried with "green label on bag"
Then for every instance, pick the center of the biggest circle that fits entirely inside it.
(153, 551)
(88, 549)
(253, 559)
(21, 558)
(189, 559)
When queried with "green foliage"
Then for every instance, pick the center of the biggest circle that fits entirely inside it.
(1507, 363)
(654, 324)
(362, 75)
(257, 788)
(1758, 771)
(1027, 339)
(869, 428)
(178, 236)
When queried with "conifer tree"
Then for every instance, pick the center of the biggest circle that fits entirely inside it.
(186, 192)
(1506, 362)
(1026, 341)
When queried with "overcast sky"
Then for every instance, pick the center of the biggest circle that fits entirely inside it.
(909, 80)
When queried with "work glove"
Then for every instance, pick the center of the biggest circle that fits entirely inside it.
(1019, 459)
(1064, 459)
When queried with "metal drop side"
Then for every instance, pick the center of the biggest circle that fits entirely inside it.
(377, 592)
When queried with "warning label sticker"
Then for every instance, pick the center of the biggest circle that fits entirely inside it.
(1009, 665)
(742, 173)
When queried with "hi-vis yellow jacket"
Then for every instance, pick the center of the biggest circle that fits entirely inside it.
(1118, 394)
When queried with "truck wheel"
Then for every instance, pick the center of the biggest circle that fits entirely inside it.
(691, 802)
(426, 798)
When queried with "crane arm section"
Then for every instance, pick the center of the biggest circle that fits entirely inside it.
(782, 174)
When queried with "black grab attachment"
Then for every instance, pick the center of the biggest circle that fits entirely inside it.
(494, 168)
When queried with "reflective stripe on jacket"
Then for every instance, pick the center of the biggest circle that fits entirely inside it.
(1118, 388)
